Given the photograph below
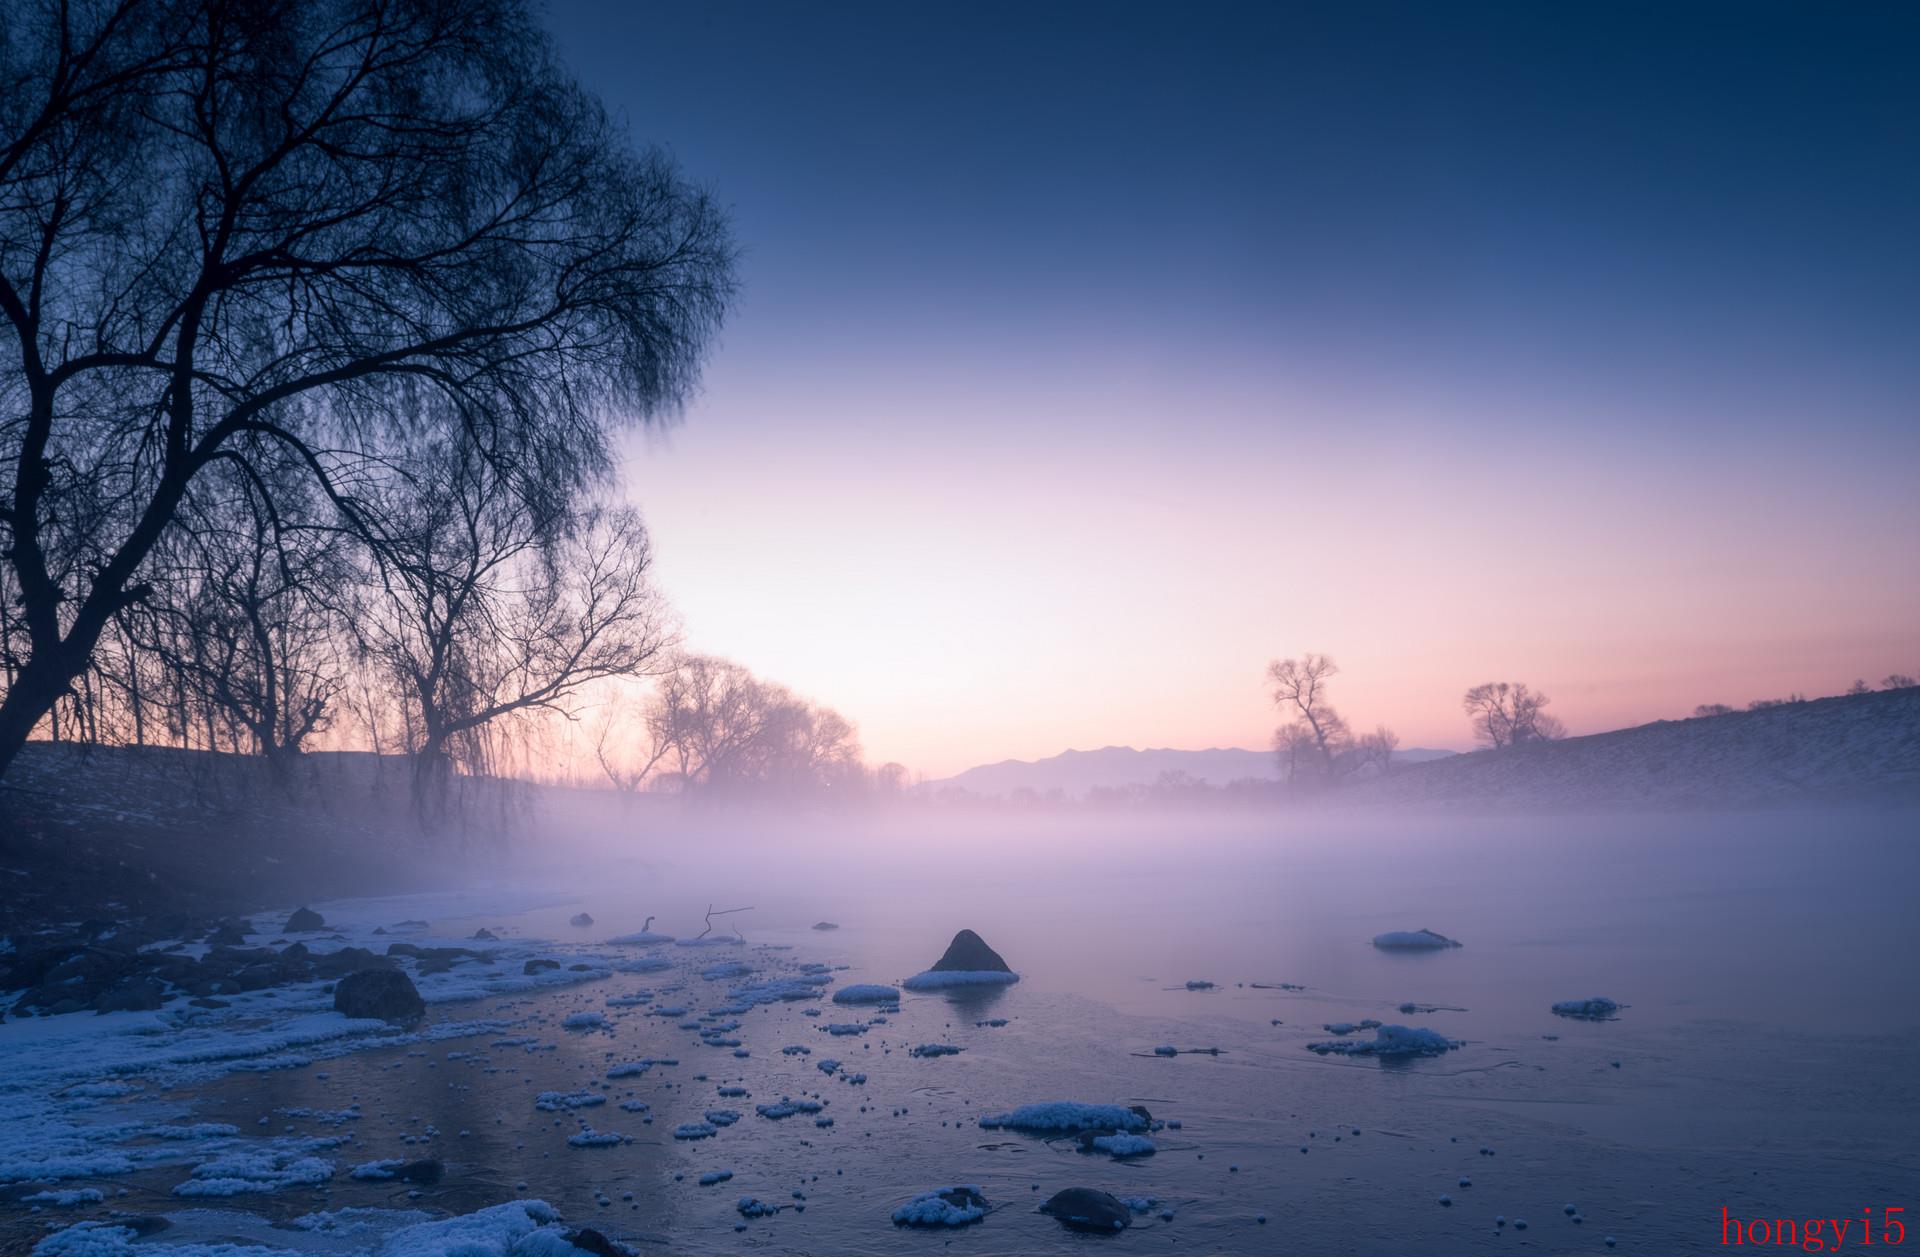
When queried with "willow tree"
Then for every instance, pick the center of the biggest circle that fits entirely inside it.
(325, 226)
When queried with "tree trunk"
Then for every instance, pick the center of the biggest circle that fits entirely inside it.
(35, 691)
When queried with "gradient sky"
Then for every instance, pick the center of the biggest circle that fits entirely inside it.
(1090, 356)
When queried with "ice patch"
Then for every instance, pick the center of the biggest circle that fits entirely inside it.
(867, 993)
(584, 1021)
(943, 1206)
(65, 1199)
(554, 1101)
(243, 1171)
(1124, 1145)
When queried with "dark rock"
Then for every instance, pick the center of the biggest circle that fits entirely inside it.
(379, 929)
(131, 995)
(228, 935)
(1086, 1209)
(969, 953)
(826, 925)
(206, 1001)
(588, 1240)
(581, 919)
(304, 921)
(336, 964)
(295, 951)
(538, 965)
(580, 968)
(384, 993)
(426, 1171)
(485, 935)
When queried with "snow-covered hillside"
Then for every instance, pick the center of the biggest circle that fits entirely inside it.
(1863, 747)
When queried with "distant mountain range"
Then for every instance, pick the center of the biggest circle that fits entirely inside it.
(1074, 773)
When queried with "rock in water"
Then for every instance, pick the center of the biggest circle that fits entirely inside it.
(304, 920)
(587, 1240)
(485, 935)
(581, 919)
(969, 953)
(1085, 1209)
(387, 994)
(826, 925)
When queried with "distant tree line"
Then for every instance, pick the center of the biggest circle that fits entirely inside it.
(1892, 681)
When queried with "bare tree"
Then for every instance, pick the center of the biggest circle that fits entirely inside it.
(1373, 752)
(731, 733)
(1300, 689)
(1898, 681)
(1509, 713)
(1712, 709)
(492, 605)
(327, 225)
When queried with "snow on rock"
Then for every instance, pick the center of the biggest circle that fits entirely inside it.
(1070, 1117)
(935, 1049)
(839, 1028)
(1199, 984)
(520, 1228)
(943, 1206)
(585, 1021)
(866, 993)
(1599, 1008)
(641, 938)
(1390, 1041)
(1350, 1027)
(722, 1117)
(715, 1176)
(1414, 940)
(628, 1069)
(695, 1130)
(938, 980)
(731, 969)
(787, 1107)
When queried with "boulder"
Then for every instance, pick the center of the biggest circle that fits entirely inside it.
(538, 965)
(387, 994)
(969, 953)
(304, 921)
(485, 935)
(140, 995)
(587, 1240)
(1087, 1209)
(826, 925)
(580, 919)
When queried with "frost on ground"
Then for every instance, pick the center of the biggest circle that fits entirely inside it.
(1414, 940)
(1599, 1008)
(65, 1199)
(1067, 1117)
(866, 993)
(943, 1206)
(941, 979)
(1401, 1041)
